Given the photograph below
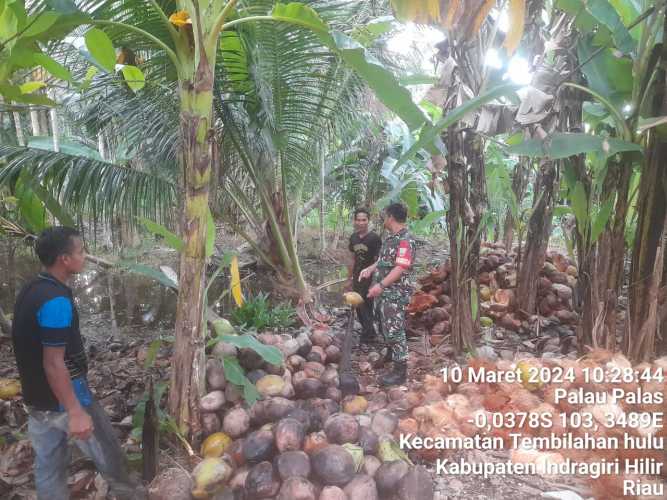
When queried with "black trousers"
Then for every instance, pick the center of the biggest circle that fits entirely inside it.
(365, 310)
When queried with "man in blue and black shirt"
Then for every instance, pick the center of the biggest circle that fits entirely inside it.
(52, 365)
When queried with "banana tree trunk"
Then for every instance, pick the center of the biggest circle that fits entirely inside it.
(612, 248)
(188, 367)
(519, 178)
(617, 242)
(459, 217)
(479, 203)
(652, 211)
(587, 282)
(603, 248)
(537, 238)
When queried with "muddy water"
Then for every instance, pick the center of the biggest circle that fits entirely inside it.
(122, 303)
(140, 305)
(143, 308)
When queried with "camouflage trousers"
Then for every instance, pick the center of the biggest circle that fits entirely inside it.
(390, 313)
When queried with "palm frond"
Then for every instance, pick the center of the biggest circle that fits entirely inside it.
(87, 186)
(296, 93)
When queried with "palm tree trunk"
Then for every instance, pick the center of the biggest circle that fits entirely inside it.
(54, 126)
(188, 367)
(20, 138)
(35, 122)
(290, 243)
(323, 241)
(44, 122)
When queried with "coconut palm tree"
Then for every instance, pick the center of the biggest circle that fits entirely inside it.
(183, 48)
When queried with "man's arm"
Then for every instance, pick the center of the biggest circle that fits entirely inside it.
(57, 375)
(394, 274)
(367, 272)
(402, 263)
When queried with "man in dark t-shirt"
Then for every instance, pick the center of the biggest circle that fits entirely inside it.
(52, 366)
(45, 307)
(365, 247)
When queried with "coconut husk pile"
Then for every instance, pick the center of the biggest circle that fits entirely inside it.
(439, 409)
(302, 439)
(429, 312)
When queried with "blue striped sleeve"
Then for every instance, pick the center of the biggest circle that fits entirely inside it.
(55, 321)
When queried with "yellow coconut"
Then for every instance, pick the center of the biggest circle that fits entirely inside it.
(353, 299)
(270, 385)
(355, 405)
(215, 445)
(9, 388)
(210, 475)
(530, 375)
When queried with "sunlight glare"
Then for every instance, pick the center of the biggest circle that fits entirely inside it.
(492, 59)
(518, 71)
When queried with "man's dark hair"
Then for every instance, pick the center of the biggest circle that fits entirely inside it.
(53, 242)
(397, 211)
(362, 211)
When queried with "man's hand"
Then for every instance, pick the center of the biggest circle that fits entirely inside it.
(367, 272)
(80, 424)
(375, 291)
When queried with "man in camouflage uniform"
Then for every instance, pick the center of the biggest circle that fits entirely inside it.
(393, 278)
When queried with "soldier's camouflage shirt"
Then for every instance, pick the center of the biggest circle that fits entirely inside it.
(397, 250)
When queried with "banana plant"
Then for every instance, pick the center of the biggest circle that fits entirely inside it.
(409, 181)
(619, 56)
(462, 19)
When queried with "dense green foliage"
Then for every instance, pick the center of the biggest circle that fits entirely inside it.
(257, 313)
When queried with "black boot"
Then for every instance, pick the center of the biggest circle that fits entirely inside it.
(397, 376)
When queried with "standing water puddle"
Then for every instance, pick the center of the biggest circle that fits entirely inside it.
(142, 307)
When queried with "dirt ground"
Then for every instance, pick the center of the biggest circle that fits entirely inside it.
(118, 377)
(119, 373)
